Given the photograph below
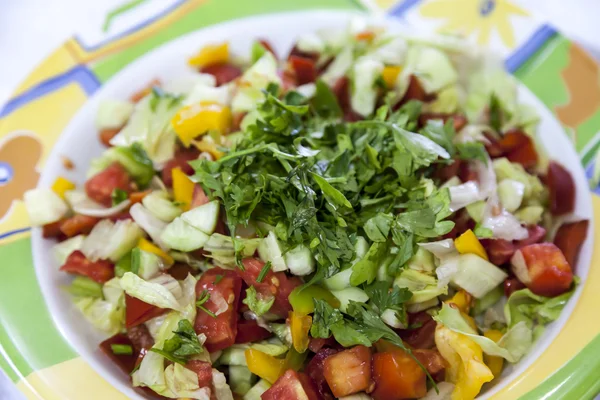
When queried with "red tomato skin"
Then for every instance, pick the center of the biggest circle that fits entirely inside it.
(106, 135)
(137, 311)
(125, 362)
(101, 186)
(316, 344)
(291, 385)
(569, 239)
(348, 371)
(221, 330)
(99, 271)
(52, 230)
(223, 73)
(78, 225)
(549, 272)
(397, 377)
(305, 69)
(267, 45)
(423, 336)
(181, 160)
(433, 362)
(562, 189)
(204, 371)
(314, 369)
(249, 331)
(140, 338)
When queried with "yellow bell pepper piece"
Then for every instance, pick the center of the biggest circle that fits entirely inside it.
(462, 300)
(468, 243)
(390, 74)
(494, 363)
(209, 146)
(197, 119)
(211, 54)
(299, 326)
(183, 188)
(145, 245)
(265, 365)
(465, 359)
(62, 185)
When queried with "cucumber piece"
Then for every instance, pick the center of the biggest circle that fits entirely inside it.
(530, 215)
(112, 291)
(85, 287)
(348, 294)
(475, 210)
(234, 355)
(270, 250)
(179, 235)
(423, 287)
(240, 379)
(339, 281)
(257, 390)
(300, 260)
(510, 193)
(145, 264)
(390, 318)
(477, 276)
(159, 205)
(203, 218)
(422, 261)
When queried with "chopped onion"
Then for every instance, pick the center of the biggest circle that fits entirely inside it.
(149, 223)
(464, 194)
(82, 204)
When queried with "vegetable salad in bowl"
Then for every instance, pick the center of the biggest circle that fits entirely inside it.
(367, 217)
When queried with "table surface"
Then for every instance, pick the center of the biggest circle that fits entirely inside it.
(31, 29)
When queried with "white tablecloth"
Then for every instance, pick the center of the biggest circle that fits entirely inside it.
(31, 29)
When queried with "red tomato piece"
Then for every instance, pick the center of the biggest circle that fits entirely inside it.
(137, 197)
(421, 337)
(101, 186)
(249, 331)
(536, 234)
(314, 369)
(181, 159)
(512, 140)
(140, 94)
(78, 225)
(291, 385)
(499, 251)
(445, 172)
(433, 362)
(199, 197)
(493, 146)
(268, 46)
(569, 239)
(348, 371)
(221, 330)
(106, 135)
(304, 68)
(543, 269)
(52, 230)
(397, 376)
(137, 311)
(126, 362)
(316, 344)
(204, 371)
(140, 337)
(180, 271)
(467, 172)
(562, 189)
(526, 155)
(511, 285)
(99, 271)
(416, 91)
(223, 73)
(297, 52)
(341, 89)
(276, 284)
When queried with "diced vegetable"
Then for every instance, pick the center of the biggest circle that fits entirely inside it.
(350, 294)
(145, 245)
(62, 185)
(204, 218)
(240, 379)
(85, 287)
(234, 355)
(179, 235)
(44, 206)
(511, 194)
(211, 54)
(339, 281)
(269, 250)
(299, 326)
(197, 119)
(349, 371)
(111, 241)
(99, 270)
(265, 366)
(468, 243)
(397, 376)
(494, 363)
(476, 275)
(569, 238)
(84, 206)
(257, 390)
(183, 188)
(562, 189)
(300, 261)
(292, 385)
(364, 93)
(301, 298)
(62, 250)
(113, 114)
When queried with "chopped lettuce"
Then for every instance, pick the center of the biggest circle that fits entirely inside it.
(62, 250)
(257, 303)
(534, 192)
(432, 66)
(133, 158)
(44, 206)
(525, 306)
(364, 93)
(104, 315)
(113, 114)
(256, 78)
(424, 287)
(155, 293)
(111, 240)
(153, 226)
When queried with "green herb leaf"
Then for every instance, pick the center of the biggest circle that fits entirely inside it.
(183, 345)
(263, 272)
(377, 228)
(118, 196)
(324, 102)
(334, 197)
(472, 151)
(257, 303)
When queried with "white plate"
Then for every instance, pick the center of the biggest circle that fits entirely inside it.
(79, 142)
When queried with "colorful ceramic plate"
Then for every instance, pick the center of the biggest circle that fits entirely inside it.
(52, 354)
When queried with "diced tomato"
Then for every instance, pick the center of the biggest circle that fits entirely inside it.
(512, 140)
(78, 225)
(433, 362)
(106, 135)
(181, 159)
(268, 46)
(291, 385)
(314, 369)
(52, 230)
(397, 376)
(535, 234)
(499, 251)
(562, 189)
(415, 91)
(445, 172)
(297, 52)
(100, 271)
(422, 336)
(462, 222)
(493, 146)
(140, 94)
(515, 145)
(569, 239)
(276, 284)
(543, 269)
(467, 172)
(249, 331)
(526, 155)
(180, 271)
(204, 371)
(137, 311)
(137, 197)
(140, 337)
(101, 186)
(511, 285)
(304, 68)
(126, 362)
(223, 73)
(199, 197)
(317, 344)
(221, 330)
(341, 89)
(348, 371)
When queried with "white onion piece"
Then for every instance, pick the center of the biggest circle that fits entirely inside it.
(441, 248)
(149, 223)
(464, 194)
(219, 301)
(82, 204)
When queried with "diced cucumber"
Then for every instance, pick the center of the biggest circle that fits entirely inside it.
(179, 235)
(159, 205)
(476, 210)
(339, 281)
(389, 317)
(240, 379)
(530, 215)
(476, 275)
(145, 264)
(203, 218)
(510, 193)
(234, 355)
(348, 294)
(257, 390)
(300, 260)
(112, 291)
(270, 250)
(85, 287)
(422, 261)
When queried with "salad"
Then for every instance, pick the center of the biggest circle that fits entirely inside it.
(368, 217)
